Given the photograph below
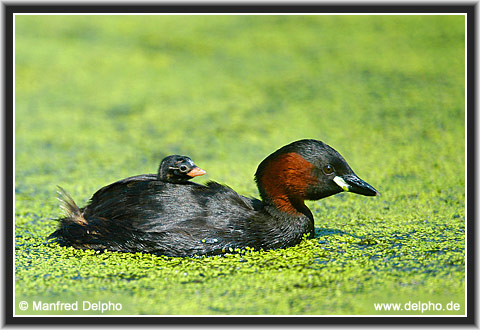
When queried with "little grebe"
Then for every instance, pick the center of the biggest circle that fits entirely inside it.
(177, 169)
(187, 219)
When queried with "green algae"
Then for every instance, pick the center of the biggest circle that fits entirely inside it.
(102, 98)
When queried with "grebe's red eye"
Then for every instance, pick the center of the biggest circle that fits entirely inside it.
(328, 169)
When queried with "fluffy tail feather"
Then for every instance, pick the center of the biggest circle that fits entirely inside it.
(71, 211)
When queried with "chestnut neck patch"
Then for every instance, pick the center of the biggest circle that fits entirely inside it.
(285, 180)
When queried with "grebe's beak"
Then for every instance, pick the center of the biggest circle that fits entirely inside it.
(196, 171)
(354, 184)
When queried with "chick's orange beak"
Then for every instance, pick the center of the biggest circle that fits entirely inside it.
(196, 171)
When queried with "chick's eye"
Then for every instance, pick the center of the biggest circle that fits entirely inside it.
(183, 168)
(328, 169)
